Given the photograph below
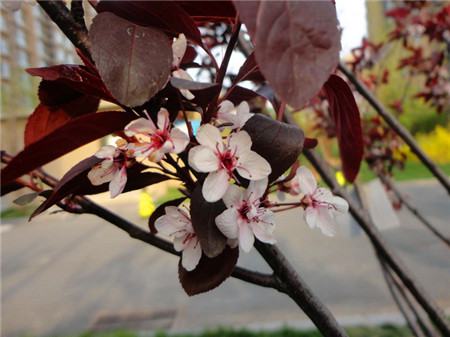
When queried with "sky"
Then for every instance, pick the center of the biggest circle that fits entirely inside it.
(352, 17)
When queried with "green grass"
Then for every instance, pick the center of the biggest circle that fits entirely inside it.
(412, 171)
(382, 331)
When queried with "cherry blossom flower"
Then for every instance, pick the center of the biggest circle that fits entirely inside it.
(154, 142)
(112, 169)
(179, 46)
(321, 205)
(221, 157)
(246, 217)
(177, 224)
(236, 116)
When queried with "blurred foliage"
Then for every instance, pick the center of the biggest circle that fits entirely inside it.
(436, 145)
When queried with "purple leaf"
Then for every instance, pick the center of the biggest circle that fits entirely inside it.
(75, 133)
(209, 273)
(133, 61)
(297, 44)
(279, 143)
(345, 114)
(203, 216)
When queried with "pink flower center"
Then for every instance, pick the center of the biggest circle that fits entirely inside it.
(159, 138)
(228, 160)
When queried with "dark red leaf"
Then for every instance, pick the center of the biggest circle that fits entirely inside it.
(310, 143)
(203, 216)
(345, 114)
(249, 70)
(209, 273)
(239, 94)
(43, 121)
(11, 187)
(75, 133)
(398, 13)
(57, 95)
(217, 11)
(133, 61)
(160, 211)
(297, 44)
(166, 15)
(77, 77)
(76, 182)
(279, 143)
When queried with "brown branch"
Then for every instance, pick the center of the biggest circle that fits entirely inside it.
(435, 313)
(298, 290)
(387, 181)
(397, 127)
(58, 12)
(77, 11)
(412, 325)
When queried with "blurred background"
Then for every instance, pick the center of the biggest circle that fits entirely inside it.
(64, 274)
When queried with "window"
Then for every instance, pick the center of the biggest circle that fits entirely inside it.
(20, 38)
(18, 18)
(6, 71)
(22, 58)
(40, 48)
(60, 55)
(4, 50)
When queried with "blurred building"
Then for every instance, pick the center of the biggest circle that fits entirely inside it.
(28, 39)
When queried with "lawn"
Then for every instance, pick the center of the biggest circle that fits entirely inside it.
(412, 171)
(382, 331)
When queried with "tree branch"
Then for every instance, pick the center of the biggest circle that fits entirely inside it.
(435, 313)
(397, 127)
(387, 181)
(298, 290)
(58, 12)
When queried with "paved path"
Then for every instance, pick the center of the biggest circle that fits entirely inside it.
(63, 274)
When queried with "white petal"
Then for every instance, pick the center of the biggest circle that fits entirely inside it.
(178, 49)
(203, 159)
(246, 237)
(311, 215)
(340, 204)
(118, 182)
(240, 142)
(173, 223)
(106, 152)
(323, 194)
(191, 255)
(99, 175)
(180, 140)
(306, 180)
(253, 167)
(187, 94)
(179, 242)
(256, 189)
(226, 107)
(140, 125)
(264, 231)
(325, 221)
(140, 149)
(227, 222)
(163, 119)
(208, 135)
(243, 114)
(215, 185)
(233, 196)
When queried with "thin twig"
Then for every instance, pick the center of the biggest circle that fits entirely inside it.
(387, 181)
(395, 263)
(397, 127)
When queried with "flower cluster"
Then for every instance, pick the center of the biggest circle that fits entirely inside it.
(223, 162)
